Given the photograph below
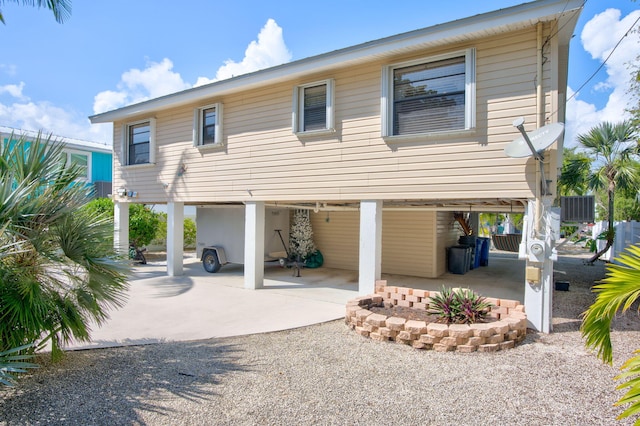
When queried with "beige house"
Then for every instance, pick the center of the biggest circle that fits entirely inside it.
(382, 142)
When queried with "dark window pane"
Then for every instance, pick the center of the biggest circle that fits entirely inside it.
(429, 97)
(139, 153)
(315, 108)
(139, 141)
(208, 126)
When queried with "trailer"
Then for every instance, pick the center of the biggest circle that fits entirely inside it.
(220, 235)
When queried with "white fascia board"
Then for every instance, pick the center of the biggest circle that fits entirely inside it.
(496, 22)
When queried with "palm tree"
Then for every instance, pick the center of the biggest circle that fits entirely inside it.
(58, 271)
(61, 8)
(619, 291)
(610, 166)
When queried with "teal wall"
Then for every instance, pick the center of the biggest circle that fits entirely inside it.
(101, 166)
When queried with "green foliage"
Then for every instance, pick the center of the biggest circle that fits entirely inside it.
(618, 291)
(608, 164)
(61, 8)
(574, 176)
(58, 272)
(100, 206)
(459, 306)
(14, 361)
(627, 209)
(189, 232)
(143, 223)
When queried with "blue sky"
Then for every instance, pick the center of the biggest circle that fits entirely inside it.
(108, 54)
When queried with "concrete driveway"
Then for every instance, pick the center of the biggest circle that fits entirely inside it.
(200, 305)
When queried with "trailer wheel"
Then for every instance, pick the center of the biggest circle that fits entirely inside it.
(210, 261)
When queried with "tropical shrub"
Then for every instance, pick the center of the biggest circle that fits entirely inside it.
(618, 291)
(13, 362)
(58, 270)
(459, 306)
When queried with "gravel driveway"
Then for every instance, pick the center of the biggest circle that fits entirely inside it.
(327, 374)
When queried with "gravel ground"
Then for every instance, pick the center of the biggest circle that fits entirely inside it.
(327, 374)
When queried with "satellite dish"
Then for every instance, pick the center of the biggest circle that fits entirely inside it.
(539, 139)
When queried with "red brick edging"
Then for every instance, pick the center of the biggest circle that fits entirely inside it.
(509, 329)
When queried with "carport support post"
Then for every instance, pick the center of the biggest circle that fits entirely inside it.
(370, 246)
(175, 238)
(121, 228)
(254, 217)
(538, 296)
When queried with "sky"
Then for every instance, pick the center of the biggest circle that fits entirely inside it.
(111, 54)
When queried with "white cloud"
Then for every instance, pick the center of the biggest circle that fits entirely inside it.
(135, 85)
(48, 118)
(15, 90)
(599, 37)
(268, 51)
(9, 69)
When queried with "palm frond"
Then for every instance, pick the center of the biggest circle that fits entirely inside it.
(616, 292)
(14, 362)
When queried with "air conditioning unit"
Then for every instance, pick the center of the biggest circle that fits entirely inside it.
(536, 250)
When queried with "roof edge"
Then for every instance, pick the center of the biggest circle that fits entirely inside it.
(541, 10)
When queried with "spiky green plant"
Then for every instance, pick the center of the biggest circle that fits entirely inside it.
(13, 362)
(459, 306)
(618, 291)
(58, 272)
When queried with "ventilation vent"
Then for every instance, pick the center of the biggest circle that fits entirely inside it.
(580, 209)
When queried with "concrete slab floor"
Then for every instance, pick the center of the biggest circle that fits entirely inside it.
(200, 305)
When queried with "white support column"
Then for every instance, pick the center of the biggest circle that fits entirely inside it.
(254, 245)
(370, 246)
(538, 295)
(175, 239)
(121, 228)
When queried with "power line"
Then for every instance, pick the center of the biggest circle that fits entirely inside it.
(602, 64)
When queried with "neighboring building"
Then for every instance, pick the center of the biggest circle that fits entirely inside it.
(97, 158)
(384, 140)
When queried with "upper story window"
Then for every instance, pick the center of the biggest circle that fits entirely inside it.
(313, 108)
(207, 125)
(432, 95)
(139, 142)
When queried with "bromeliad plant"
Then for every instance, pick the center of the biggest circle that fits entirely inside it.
(459, 306)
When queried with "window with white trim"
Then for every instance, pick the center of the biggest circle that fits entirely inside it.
(139, 142)
(79, 159)
(430, 95)
(313, 108)
(207, 125)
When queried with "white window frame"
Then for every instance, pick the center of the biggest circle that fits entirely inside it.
(297, 116)
(386, 101)
(198, 126)
(68, 153)
(152, 143)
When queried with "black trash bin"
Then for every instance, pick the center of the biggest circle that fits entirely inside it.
(470, 241)
(459, 259)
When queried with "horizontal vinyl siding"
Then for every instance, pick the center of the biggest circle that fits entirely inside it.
(261, 159)
(408, 243)
(337, 238)
(447, 235)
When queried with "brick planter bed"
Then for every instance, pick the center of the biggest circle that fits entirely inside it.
(507, 327)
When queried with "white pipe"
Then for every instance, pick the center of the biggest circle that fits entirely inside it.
(539, 121)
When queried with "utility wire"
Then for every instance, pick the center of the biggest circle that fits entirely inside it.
(601, 65)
